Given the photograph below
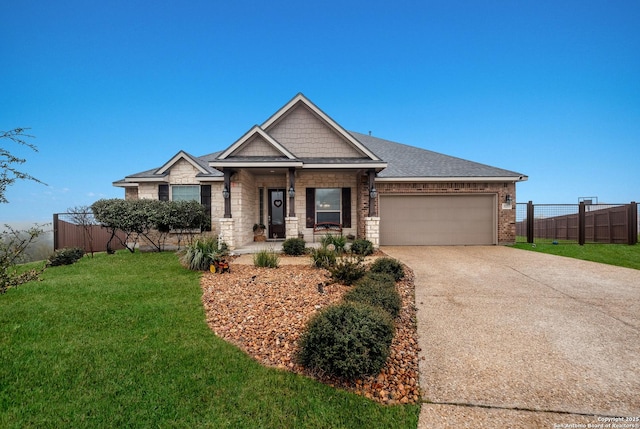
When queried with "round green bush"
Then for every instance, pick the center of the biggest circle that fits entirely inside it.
(389, 266)
(377, 293)
(362, 247)
(348, 340)
(294, 246)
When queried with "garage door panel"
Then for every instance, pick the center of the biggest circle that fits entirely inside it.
(437, 219)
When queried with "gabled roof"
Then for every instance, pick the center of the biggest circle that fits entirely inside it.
(301, 99)
(412, 163)
(161, 174)
(256, 130)
(182, 155)
(393, 161)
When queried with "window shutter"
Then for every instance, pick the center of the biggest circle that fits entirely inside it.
(311, 207)
(163, 192)
(346, 207)
(205, 200)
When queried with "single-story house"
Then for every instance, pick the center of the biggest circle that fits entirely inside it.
(301, 170)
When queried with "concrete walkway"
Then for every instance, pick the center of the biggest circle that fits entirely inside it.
(519, 339)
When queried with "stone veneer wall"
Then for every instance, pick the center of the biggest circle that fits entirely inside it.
(306, 180)
(506, 217)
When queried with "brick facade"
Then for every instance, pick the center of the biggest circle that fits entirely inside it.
(506, 217)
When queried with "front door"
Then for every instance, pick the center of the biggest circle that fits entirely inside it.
(276, 213)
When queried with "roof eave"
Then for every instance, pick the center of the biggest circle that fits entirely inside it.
(253, 164)
(454, 179)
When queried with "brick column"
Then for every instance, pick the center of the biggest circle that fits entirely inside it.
(372, 230)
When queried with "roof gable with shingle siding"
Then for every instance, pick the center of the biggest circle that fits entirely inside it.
(256, 146)
(307, 136)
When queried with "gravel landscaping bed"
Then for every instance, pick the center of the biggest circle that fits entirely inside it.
(264, 311)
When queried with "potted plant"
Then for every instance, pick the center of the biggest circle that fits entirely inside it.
(258, 232)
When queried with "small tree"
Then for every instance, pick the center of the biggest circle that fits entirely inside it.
(13, 243)
(113, 214)
(12, 248)
(151, 219)
(8, 172)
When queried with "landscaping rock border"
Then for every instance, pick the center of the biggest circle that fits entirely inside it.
(264, 311)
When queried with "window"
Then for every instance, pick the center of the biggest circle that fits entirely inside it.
(328, 205)
(185, 192)
(202, 194)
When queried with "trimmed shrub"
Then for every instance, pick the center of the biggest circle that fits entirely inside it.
(266, 259)
(388, 266)
(348, 269)
(66, 256)
(362, 247)
(384, 278)
(347, 340)
(323, 258)
(377, 293)
(294, 246)
(199, 255)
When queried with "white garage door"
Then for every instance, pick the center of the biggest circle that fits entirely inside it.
(438, 219)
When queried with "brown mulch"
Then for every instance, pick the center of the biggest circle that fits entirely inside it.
(264, 311)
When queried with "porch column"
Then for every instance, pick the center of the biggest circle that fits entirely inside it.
(372, 230)
(227, 232)
(291, 225)
(226, 193)
(292, 192)
(373, 193)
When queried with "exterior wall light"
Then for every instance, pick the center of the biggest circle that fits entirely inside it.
(225, 193)
(507, 198)
(373, 193)
(292, 192)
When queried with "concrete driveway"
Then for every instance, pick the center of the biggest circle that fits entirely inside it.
(512, 338)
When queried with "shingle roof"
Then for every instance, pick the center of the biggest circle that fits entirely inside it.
(403, 161)
(409, 161)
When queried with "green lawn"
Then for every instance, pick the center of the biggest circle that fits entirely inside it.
(621, 255)
(122, 341)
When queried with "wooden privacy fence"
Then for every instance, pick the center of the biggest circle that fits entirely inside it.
(81, 230)
(584, 223)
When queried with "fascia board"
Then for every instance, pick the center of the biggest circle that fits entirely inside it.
(146, 179)
(245, 164)
(325, 166)
(453, 179)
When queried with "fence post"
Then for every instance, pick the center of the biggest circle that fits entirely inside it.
(581, 223)
(530, 222)
(632, 210)
(55, 232)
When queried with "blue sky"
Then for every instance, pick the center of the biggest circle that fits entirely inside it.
(550, 89)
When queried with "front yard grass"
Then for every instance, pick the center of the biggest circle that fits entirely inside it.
(621, 255)
(121, 341)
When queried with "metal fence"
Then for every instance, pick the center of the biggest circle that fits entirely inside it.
(581, 223)
(81, 230)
